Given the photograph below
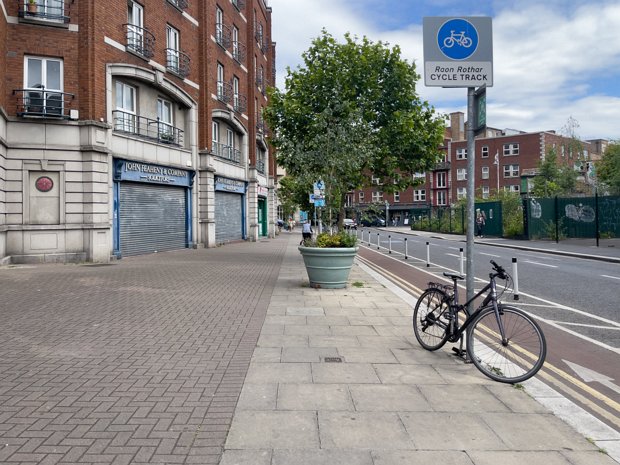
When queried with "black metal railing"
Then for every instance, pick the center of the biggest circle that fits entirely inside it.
(260, 166)
(180, 4)
(223, 35)
(140, 40)
(239, 4)
(177, 62)
(152, 129)
(259, 80)
(226, 151)
(240, 103)
(238, 51)
(261, 128)
(43, 103)
(49, 10)
(441, 166)
(224, 91)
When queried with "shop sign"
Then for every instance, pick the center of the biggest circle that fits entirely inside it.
(263, 191)
(229, 185)
(125, 170)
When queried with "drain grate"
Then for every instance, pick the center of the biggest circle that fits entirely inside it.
(332, 359)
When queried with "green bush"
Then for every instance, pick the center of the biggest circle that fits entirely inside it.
(341, 239)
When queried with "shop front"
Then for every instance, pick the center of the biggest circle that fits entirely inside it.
(229, 210)
(152, 208)
(263, 229)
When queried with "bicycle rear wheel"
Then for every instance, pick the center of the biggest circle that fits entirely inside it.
(430, 319)
(516, 359)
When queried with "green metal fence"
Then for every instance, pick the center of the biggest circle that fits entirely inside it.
(453, 220)
(560, 218)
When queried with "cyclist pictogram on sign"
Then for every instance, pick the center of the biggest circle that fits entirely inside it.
(457, 39)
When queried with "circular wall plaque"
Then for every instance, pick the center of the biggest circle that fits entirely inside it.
(44, 184)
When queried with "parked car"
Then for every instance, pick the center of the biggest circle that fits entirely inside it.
(349, 223)
(372, 222)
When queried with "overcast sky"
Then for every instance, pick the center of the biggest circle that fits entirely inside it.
(551, 60)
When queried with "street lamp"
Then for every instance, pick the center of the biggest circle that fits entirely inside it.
(387, 212)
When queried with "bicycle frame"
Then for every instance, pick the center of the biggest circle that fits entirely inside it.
(457, 331)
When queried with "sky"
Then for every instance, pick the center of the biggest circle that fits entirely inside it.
(553, 61)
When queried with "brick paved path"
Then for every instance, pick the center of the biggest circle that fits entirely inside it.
(141, 361)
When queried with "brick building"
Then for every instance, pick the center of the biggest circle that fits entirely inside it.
(505, 160)
(129, 127)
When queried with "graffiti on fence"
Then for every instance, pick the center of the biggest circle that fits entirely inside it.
(582, 213)
(535, 209)
(610, 219)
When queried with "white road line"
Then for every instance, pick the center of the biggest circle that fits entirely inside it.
(490, 255)
(540, 264)
(454, 255)
(610, 277)
(585, 325)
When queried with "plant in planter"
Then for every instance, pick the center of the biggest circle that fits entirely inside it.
(329, 259)
(349, 112)
(32, 7)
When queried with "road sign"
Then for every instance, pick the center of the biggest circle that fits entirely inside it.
(458, 52)
(319, 202)
(319, 185)
(480, 110)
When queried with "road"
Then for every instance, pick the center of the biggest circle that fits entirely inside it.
(574, 299)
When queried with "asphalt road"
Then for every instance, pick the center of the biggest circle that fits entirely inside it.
(576, 294)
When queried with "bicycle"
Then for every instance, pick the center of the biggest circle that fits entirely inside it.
(459, 38)
(503, 342)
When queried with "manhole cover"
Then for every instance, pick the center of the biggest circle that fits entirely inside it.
(332, 359)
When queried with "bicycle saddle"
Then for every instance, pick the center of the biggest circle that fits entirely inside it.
(453, 275)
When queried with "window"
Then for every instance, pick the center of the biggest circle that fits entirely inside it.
(441, 179)
(461, 192)
(45, 77)
(215, 137)
(259, 35)
(361, 197)
(396, 197)
(126, 104)
(513, 188)
(461, 174)
(135, 28)
(220, 82)
(419, 195)
(485, 192)
(511, 171)
(235, 37)
(172, 42)
(236, 93)
(53, 10)
(511, 149)
(461, 154)
(230, 143)
(219, 26)
(485, 151)
(164, 115)
(419, 175)
(441, 198)
(377, 196)
(485, 172)
(376, 180)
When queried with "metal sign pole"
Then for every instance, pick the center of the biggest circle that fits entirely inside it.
(471, 195)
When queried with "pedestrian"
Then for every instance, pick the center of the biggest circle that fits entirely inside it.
(291, 224)
(306, 232)
(480, 222)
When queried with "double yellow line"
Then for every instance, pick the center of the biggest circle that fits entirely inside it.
(562, 380)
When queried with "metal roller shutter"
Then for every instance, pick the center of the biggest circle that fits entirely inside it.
(151, 218)
(228, 217)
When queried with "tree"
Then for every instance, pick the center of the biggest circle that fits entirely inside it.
(352, 110)
(608, 168)
(553, 179)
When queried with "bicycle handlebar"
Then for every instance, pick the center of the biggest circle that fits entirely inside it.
(501, 272)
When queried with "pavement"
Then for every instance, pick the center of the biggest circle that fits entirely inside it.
(227, 356)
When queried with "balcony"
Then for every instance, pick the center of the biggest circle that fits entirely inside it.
(224, 91)
(225, 151)
(240, 103)
(47, 10)
(180, 4)
(261, 128)
(151, 129)
(260, 166)
(43, 103)
(442, 166)
(239, 4)
(177, 62)
(238, 52)
(140, 41)
(223, 35)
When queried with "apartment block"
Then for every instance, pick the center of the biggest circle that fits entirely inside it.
(130, 127)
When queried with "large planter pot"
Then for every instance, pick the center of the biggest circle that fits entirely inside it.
(328, 268)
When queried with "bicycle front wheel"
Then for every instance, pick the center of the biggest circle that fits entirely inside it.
(518, 356)
(430, 319)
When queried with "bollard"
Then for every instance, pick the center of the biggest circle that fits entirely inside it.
(461, 260)
(378, 245)
(405, 248)
(428, 254)
(515, 278)
(389, 243)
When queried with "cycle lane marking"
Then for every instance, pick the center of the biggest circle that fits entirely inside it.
(540, 264)
(611, 277)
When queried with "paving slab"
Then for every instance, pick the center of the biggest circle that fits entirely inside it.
(421, 457)
(388, 398)
(321, 457)
(314, 397)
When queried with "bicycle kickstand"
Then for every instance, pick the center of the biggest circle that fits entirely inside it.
(460, 352)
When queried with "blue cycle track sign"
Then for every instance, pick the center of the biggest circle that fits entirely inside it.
(457, 39)
(458, 52)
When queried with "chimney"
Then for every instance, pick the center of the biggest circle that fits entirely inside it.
(457, 125)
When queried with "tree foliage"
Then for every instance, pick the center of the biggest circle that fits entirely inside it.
(553, 178)
(352, 110)
(608, 169)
